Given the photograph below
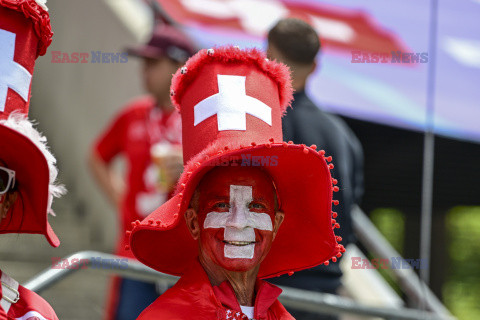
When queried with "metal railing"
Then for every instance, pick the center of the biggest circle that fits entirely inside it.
(316, 302)
(407, 279)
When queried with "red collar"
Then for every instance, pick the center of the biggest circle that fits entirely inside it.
(223, 295)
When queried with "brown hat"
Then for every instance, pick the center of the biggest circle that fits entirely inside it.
(166, 41)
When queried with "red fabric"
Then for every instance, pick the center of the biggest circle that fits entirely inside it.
(112, 298)
(25, 54)
(29, 306)
(193, 297)
(29, 213)
(30, 25)
(258, 85)
(39, 18)
(3, 315)
(256, 59)
(131, 135)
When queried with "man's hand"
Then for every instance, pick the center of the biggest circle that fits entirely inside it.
(108, 180)
(172, 166)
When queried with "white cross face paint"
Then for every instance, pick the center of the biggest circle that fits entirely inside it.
(239, 223)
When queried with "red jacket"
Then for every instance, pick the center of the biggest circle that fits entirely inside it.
(29, 306)
(193, 297)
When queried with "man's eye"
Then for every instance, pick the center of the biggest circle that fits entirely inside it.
(255, 205)
(222, 205)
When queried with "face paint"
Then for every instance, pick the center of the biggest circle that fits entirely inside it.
(236, 210)
(239, 223)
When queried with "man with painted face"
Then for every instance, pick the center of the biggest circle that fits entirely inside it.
(244, 196)
(235, 218)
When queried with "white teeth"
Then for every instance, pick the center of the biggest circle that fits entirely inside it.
(239, 243)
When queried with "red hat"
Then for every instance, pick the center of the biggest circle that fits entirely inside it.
(25, 33)
(231, 102)
(166, 41)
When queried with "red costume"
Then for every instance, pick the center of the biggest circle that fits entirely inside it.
(231, 102)
(193, 297)
(25, 34)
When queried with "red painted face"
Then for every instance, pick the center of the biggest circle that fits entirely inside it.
(236, 213)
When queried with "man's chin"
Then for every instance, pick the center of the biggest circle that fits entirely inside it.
(238, 264)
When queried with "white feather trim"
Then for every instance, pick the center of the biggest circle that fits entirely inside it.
(43, 4)
(21, 124)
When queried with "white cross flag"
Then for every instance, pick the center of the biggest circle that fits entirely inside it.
(239, 223)
(231, 104)
(12, 74)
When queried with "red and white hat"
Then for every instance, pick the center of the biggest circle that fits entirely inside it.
(231, 102)
(25, 34)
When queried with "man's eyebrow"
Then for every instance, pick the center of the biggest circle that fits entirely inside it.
(217, 197)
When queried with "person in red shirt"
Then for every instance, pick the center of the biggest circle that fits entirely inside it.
(147, 133)
(27, 168)
(248, 205)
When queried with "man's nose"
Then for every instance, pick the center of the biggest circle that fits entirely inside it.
(239, 218)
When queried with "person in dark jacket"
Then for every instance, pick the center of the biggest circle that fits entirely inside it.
(295, 43)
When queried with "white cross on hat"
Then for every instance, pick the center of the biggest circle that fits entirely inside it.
(231, 104)
(12, 74)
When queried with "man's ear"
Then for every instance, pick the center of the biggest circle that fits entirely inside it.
(313, 67)
(8, 201)
(191, 219)
(279, 216)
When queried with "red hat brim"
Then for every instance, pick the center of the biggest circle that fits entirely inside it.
(305, 239)
(29, 213)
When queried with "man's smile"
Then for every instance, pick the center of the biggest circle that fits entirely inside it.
(239, 243)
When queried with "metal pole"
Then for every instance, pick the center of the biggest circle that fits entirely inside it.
(429, 150)
(407, 279)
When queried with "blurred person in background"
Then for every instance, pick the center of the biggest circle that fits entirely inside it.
(147, 133)
(295, 43)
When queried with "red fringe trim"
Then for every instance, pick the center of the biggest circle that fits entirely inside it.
(40, 17)
(279, 72)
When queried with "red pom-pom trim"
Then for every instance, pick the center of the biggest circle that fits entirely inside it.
(41, 20)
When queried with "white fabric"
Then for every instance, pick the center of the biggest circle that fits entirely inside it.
(239, 222)
(43, 4)
(32, 315)
(9, 291)
(248, 311)
(12, 74)
(231, 105)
